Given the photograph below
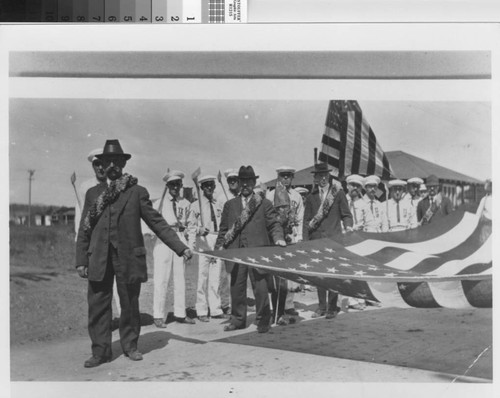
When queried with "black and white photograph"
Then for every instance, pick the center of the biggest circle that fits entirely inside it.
(260, 209)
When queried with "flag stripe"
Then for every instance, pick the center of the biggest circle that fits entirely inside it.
(462, 251)
(481, 268)
(372, 147)
(406, 261)
(323, 157)
(417, 295)
(449, 294)
(356, 155)
(388, 293)
(439, 244)
(481, 256)
(349, 148)
(479, 293)
(331, 138)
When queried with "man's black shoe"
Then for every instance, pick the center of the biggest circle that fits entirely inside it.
(94, 361)
(263, 329)
(188, 320)
(291, 311)
(331, 315)
(134, 355)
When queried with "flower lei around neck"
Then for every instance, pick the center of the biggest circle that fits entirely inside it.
(107, 197)
(245, 216)
(323, 210)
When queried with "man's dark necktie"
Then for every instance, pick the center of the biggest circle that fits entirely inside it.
(397, 208)
(212, 215)
(174, 207)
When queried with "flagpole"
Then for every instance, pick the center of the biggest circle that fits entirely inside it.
(73, 179)
(219, 177)
(194, 176)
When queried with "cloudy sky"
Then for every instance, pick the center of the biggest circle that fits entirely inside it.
(53, 136)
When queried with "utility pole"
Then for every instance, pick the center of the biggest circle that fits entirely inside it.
(30, 178)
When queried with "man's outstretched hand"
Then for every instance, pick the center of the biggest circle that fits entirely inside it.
(82, 271)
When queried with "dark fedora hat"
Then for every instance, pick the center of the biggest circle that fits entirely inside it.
(246, 173)
(432, 180)
(321, 168)
(113, 148)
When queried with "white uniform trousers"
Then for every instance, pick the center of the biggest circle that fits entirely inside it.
(207, 293)
(165, 262)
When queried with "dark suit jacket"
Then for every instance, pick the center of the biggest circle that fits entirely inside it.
(331, 226)
(263, 229)
(120, 225)
(444, 209)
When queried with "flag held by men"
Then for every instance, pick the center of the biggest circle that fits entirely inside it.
(349, 144)
(437, 265)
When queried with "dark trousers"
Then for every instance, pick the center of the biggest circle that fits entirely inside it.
(278, 295)
(325, 306)
(99, 298)
(239, 276)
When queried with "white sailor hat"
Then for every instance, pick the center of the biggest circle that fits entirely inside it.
(415, 180)
(372, 180)
(302, 190)
(285, 169)
(231, 173)
(205, 178)
(355, 179)
(173, 175)
(92, 154)
(397, 183)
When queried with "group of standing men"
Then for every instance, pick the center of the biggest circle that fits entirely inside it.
(110, 243)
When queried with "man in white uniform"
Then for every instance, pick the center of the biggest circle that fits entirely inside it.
(376, 208)
(401, 215)
(203, 227)
(175, 210)
(413, 188)
(360, 212)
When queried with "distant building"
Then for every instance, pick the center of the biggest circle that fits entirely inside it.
(41, 215)
(63, 215)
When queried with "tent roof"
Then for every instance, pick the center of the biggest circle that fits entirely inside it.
(407, 166)
(404, 166)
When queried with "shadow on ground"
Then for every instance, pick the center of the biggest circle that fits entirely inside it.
(440, 340)
(153, 341)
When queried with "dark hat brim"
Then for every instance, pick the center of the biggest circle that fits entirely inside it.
(126, 156)
(248, 177)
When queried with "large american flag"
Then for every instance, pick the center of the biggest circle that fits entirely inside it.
(447, 264)
(349, 144)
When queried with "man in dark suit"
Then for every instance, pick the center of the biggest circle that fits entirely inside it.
(249, 220)
(326, 209)
(434, 206)
(110, 243)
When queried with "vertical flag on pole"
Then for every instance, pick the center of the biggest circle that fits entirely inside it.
(349, 144)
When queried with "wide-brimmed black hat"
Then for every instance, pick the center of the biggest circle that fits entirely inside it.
(246, 173)
(321, 168)
(113, 148)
